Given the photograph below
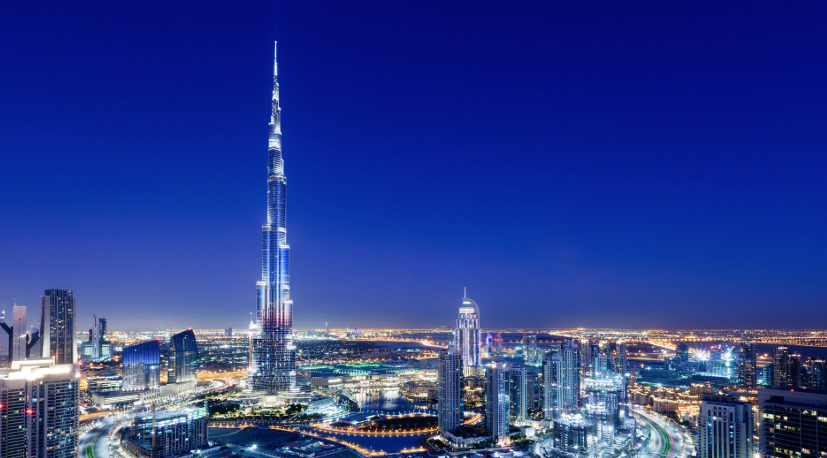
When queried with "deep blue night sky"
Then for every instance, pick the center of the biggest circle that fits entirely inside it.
(572, 163)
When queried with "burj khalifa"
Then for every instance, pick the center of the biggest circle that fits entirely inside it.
(273, 368)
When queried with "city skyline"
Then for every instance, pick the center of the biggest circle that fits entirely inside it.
(665, 174)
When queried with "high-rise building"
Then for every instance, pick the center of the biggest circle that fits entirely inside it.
(39, 409)
(591, 352)
(98, 336)
(622, 357)
(817, 379)
(274, 354)
(599, 352)
(449, 391)
(228, 332)
(498, 343)
(489, 345)
(570, 376)
(793, 423)
(747, 368)
(168, 434)
(786, 368)
(552, 389)
(497, 401)
(19, 332)
(57, 326)
(182, 365)
(571, 433)
(725, 427)
(97, 347)
(518, 393)
(467, 336)
(142, 366)
(683, 352)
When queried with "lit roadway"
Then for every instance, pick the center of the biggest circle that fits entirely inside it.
(665, 440)
(95, 443)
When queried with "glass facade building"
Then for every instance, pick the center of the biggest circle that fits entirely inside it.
(183, 358)
(273, 368)
(57, 326)
(142, 366)
(467, 336)
(449, 391)
(747, 368)
(497, 401)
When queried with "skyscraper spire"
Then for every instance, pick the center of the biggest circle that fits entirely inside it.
(273, 369)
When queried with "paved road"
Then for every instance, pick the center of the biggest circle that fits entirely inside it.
(663, 443)
(95, 443)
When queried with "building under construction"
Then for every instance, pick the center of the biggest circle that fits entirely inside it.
(168, 433)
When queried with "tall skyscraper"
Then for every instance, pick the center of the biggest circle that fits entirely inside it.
(39, 409)
(570, 377)
(725, 427)
(449, 391)
(786, 368)
(552, 389)
(98, 336)
(183, 359)
(793, 423)
(747, 369)
(519, 392)
(816, 377)
(142, 366)
(622, 357)
(57, 326)
(467, 336)
(19, 331)
(274, 354)
(497, 401)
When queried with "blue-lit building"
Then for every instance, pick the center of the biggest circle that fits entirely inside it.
(273, 368)
(142, 366)
(449, 391)
(183, 359)
(497, 401)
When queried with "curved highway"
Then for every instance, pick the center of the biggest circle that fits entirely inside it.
(665, 442)
(95, 443)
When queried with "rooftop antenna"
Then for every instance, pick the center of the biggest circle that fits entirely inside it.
(464, 292)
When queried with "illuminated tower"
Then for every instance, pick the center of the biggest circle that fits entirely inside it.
(274, 355)
(467, 336)
(497, 401)
(449, 391)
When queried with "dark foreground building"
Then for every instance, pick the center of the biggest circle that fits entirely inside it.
(793, 423)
